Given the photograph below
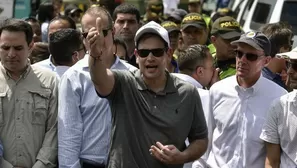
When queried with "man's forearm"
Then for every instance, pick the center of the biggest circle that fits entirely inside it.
(97, 70)
(272, 164)
(195, 150)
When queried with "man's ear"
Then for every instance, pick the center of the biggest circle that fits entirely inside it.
(137, 56)
(75, 57)
(267, 60)
(199, 71)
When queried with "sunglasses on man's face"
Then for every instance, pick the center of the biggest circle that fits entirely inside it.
(105, 32)
(292, 65)
(157, 52)
(249, 56)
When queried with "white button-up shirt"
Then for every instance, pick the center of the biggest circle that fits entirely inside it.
(281, 128)
(235, 122)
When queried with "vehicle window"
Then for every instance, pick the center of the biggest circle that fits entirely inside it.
(289, 14)
(247, 9)
(262, 14)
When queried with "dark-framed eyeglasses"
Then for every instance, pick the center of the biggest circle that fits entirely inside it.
(157, 52)
(290, 64)
(104, 31)
(249, 56)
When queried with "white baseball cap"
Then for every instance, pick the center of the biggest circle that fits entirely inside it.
(289, 55)
(155, 28)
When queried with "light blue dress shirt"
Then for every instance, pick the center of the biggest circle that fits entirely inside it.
(84, 121)
(48, 64)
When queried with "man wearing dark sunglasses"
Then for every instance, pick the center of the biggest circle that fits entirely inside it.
(239, 106)
(279, 130)
(153, 112)
(84, 119)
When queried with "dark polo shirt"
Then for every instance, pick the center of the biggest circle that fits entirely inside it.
(141, 117)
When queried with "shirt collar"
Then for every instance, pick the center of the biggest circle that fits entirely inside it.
(51, 64)
(293, 97)
(169, 87)
(23, 75)
(189, 79)
(251, 89)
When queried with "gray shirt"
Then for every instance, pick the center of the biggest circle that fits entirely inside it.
(141, 117)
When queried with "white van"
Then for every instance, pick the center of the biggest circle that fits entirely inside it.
(255, 13)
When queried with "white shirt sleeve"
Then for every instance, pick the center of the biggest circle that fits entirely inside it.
(270, 129)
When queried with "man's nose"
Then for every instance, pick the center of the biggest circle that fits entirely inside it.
(11, 52)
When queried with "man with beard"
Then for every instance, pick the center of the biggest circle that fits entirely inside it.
(239, 105)
(126, 22)
(279, 131)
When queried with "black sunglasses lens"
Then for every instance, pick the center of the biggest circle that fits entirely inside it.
(158, 52)
(143, 53)
(251, 57)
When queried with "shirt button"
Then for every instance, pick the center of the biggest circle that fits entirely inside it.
(18, 118)
(19, 137)
(155, 107)
(20, 155)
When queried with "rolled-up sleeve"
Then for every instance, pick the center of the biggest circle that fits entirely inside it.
(70, 124)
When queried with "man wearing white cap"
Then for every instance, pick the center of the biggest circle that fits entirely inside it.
(279, 131)
(153, 112)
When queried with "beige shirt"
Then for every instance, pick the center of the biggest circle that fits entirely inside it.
(28, 118)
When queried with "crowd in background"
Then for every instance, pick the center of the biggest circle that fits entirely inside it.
(109, 87)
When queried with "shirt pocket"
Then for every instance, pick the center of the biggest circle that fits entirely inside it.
(40, 106)
(2, 95)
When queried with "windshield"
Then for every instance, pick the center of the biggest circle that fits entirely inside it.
(289, 14)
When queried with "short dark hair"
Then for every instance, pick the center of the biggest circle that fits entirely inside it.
(194, 56)
(98, 11)
(119, 41)
(45, 11)
(67, 19)
(149, 35)
(31, 19)
(279, 35)
(126, 9)
(17, 25)
(63, 43)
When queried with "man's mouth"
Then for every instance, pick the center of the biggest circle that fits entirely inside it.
(151, 66)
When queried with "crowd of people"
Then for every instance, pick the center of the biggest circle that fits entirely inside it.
(181, 90)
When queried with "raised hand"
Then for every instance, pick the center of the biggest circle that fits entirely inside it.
(96, 39)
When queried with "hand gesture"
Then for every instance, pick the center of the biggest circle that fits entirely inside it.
(167, 154)
(215, 76)
(95, 39)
